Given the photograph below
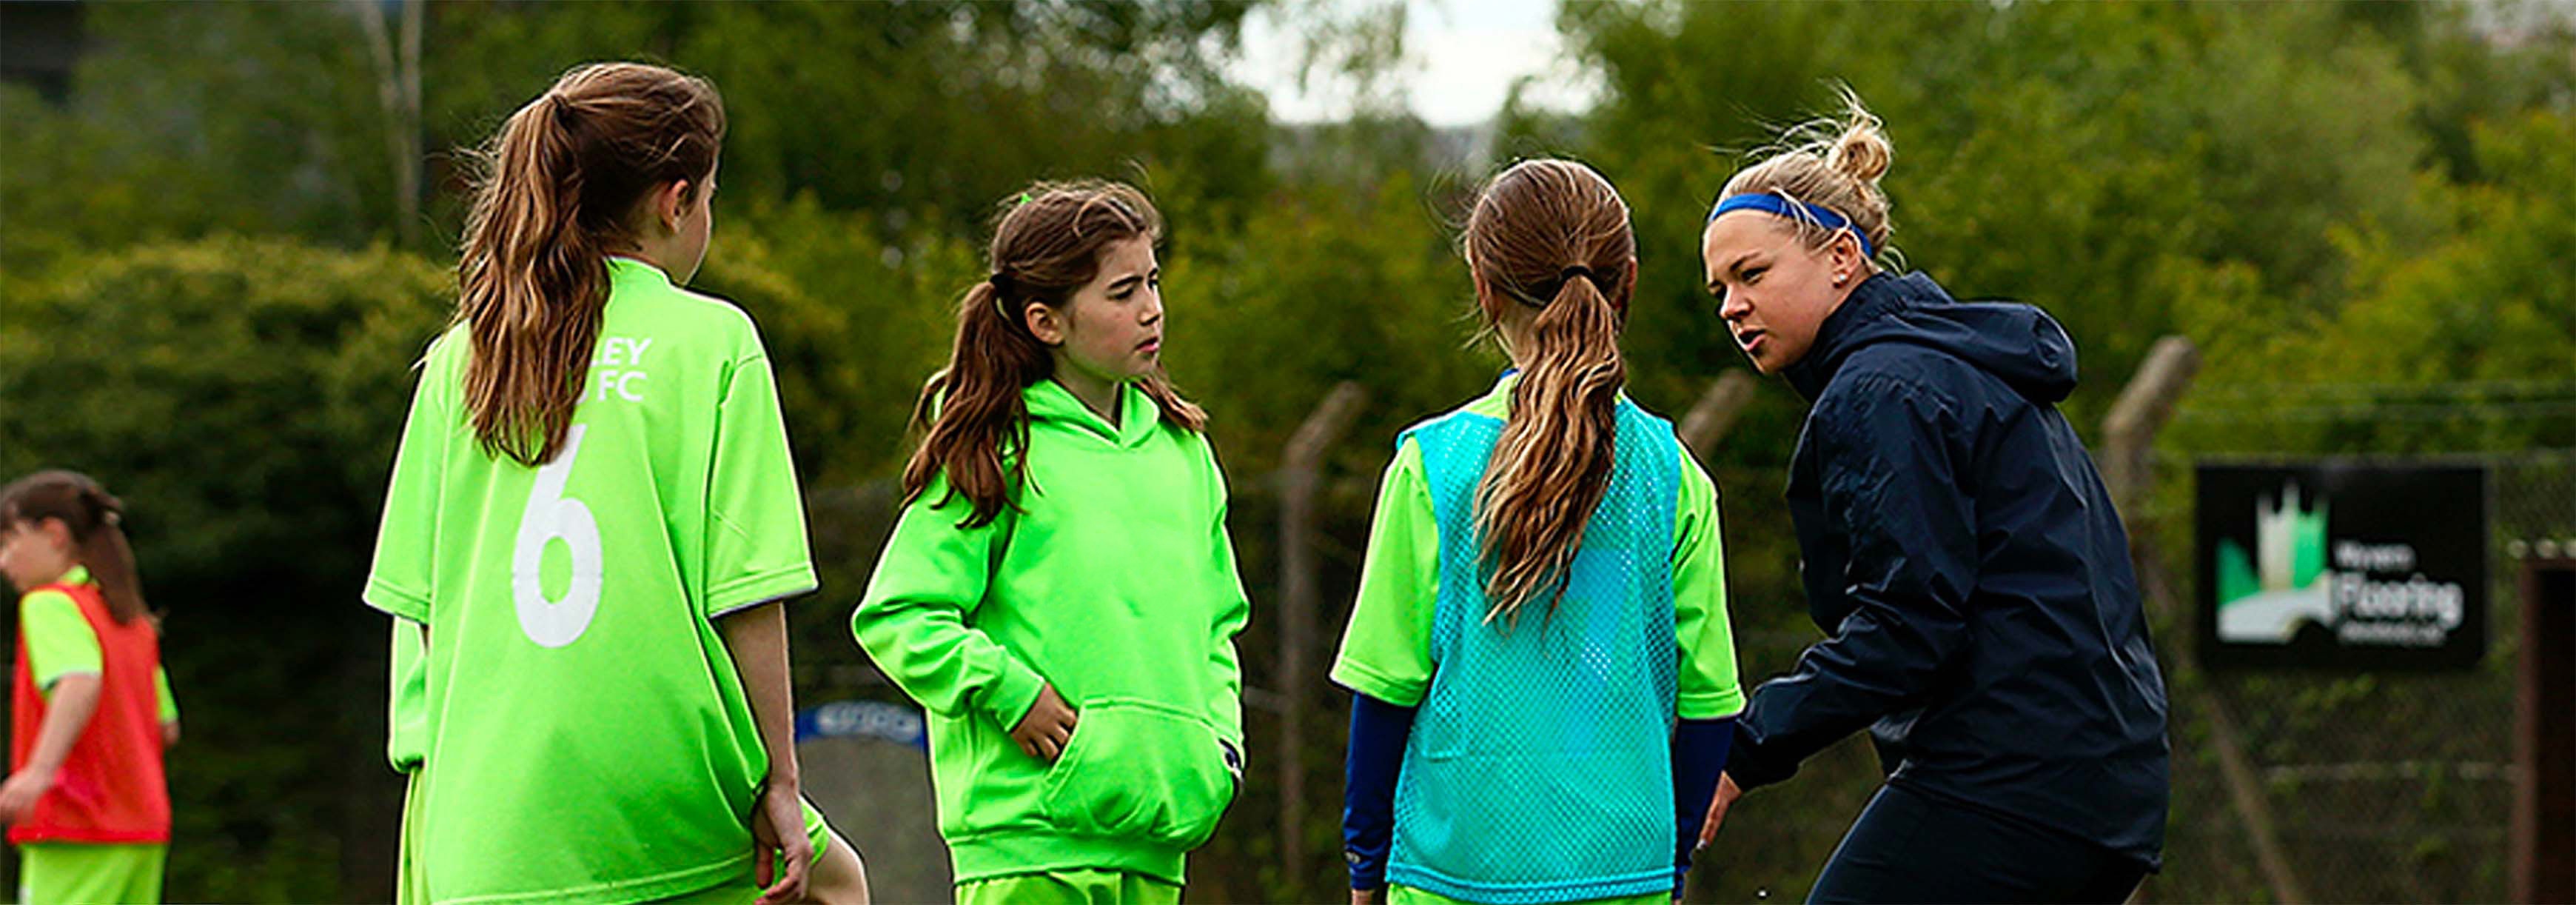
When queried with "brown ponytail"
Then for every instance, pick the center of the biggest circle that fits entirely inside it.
(95, 519)
(1551, 239)
(559, 183)
(971, 415)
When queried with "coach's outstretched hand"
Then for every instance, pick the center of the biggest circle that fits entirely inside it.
(778, 834)
(1047, 728)
(1369, 896)
(1727, 793)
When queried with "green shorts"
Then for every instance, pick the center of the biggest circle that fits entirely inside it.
(85, 873)
(1070, 887)
(1397, 894)
(408, 888)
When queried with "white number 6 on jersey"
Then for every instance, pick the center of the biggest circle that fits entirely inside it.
(550, 515)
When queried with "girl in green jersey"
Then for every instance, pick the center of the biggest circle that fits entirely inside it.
(593, 518)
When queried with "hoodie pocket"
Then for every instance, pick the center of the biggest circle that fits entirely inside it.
(1139, 770)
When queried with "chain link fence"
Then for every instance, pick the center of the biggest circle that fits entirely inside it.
(2377, 787)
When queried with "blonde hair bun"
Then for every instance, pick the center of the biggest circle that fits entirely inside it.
(1834, 163)
(1862, 150)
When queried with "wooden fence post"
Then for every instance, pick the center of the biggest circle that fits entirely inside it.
(1714, 414)
(2143, 408)
(1300, 475)
(2128, 435)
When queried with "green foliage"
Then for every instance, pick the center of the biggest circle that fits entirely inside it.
(1373, 294)
(265, 118)
(2460, 344)
(248, 388)
(853, 325)
(247, 117)
(2099, 160)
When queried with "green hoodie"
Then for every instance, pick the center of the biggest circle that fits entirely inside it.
(1114, 581)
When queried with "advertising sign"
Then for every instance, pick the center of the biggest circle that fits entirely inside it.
(2349, 565)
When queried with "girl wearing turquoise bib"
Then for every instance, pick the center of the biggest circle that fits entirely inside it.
(1541, 627)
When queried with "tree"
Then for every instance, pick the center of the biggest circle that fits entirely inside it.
(226, 117)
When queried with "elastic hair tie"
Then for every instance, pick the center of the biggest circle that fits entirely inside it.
(1779, 206)
(1001, 283)
(103, 508)
(1562, 277)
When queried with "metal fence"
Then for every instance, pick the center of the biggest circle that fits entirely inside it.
(2375, 787)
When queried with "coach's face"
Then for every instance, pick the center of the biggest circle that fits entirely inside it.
(1772, 290)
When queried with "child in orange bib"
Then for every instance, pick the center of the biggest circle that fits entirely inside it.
(86, 800)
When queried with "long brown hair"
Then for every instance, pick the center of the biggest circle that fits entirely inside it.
(558, 186)
(95, 519)
(1046, 244)
(1551, 248)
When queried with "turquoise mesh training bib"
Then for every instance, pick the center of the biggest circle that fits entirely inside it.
(1540, 765)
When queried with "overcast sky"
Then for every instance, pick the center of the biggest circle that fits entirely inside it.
(1460, 59)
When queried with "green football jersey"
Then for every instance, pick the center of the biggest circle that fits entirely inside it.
(586, 737)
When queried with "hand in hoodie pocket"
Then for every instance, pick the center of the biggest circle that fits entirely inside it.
(1140, 769)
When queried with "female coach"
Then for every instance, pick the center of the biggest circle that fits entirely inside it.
(1958, 550)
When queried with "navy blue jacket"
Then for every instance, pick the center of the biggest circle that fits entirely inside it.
(1962, 555)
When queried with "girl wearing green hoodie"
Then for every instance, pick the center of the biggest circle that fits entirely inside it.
(1059, 592)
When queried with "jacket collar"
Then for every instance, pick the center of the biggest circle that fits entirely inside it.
(1877, 297)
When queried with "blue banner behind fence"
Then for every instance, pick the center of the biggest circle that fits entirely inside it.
(895, 723)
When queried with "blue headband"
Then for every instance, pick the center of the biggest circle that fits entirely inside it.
(1773, 204)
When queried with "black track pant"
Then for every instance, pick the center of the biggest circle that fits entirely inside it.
(1911, 847)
